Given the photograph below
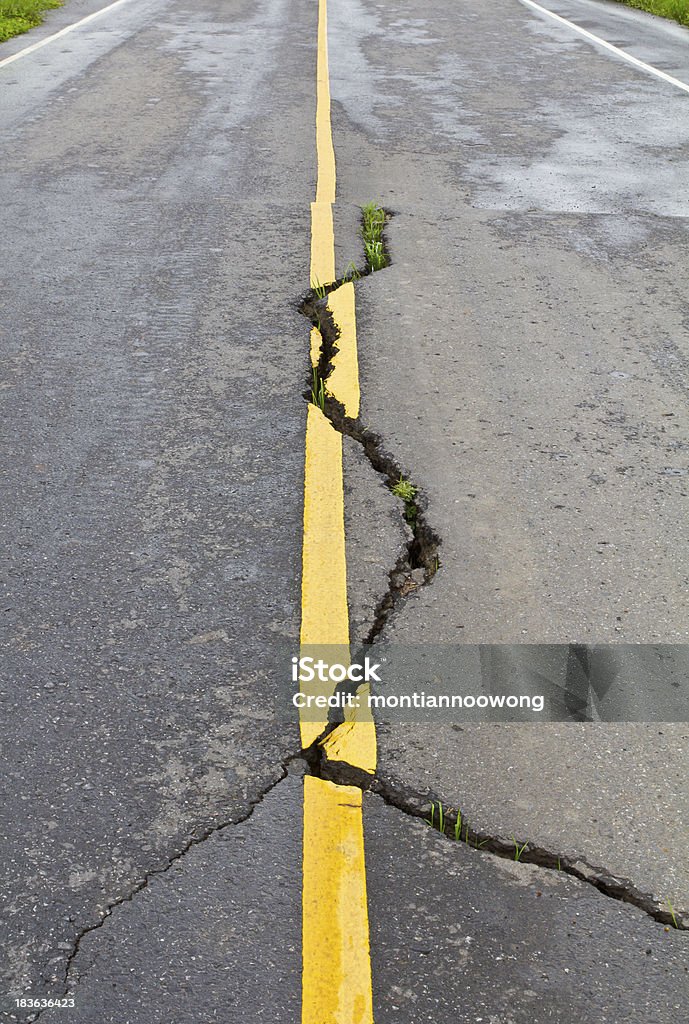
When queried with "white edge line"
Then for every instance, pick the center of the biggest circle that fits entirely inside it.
(57, 35)
(609, 46)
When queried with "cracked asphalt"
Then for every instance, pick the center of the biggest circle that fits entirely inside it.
(156, 176)
(523, 358)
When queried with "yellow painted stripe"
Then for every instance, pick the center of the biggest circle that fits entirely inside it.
(322, 231)
(354, 742)
(316, 342)
(336, 983)
(324, 612)
(336, 979)
(325, 189)
(343, 382)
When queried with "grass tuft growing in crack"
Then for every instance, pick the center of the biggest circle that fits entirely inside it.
(673, 916)
(406, 491)
(318, 289)
(419, 562)
(373, 219)
(352, 273)
(457, 831)
(377, 257)
(318, 389)
(438, 823)
(418, 804)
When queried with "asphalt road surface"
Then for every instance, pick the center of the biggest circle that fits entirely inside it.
(157, 174)
(523, 360)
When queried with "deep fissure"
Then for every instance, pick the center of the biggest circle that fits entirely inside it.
(419, 805)
(421, 553)
(419, 560)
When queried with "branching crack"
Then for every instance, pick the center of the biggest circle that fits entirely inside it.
(419, 562)
(421, 554)
(416, 567)
(141, 884)
(454, 825)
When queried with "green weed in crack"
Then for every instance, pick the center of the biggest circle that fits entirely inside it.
(440, 823)
(458, 827)
(519, 849)
(318, 289)
(406, 491)
(317, 389)
(352, 273)
(450, 824)
(373, 219)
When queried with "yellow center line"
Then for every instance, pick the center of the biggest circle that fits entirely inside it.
(343, 383)
(325, 188)
(336, 980)
(322, 244)
(322, 231)
(324, 614)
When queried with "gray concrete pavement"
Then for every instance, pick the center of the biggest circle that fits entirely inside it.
(524, 358)
(453, 931)
(460, 935)
(376, 536)
(614, 796)
(215, 938)
(157, 174)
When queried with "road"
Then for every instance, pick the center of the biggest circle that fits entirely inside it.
(156, 176)
(521, 360)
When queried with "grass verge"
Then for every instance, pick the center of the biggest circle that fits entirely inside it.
(678, 10)
(17, 16)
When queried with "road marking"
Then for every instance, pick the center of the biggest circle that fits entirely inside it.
(343, 382)
(335, 940)
(336, 976)
(324, 613)
(58, 35)
(354, 743)
(609, 46)
(322, 230)
(325, 152)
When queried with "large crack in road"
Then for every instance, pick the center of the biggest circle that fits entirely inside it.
(421, 554)
(419, 562)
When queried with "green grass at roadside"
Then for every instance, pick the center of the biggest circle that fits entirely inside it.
(676, 9)
(17, 16)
